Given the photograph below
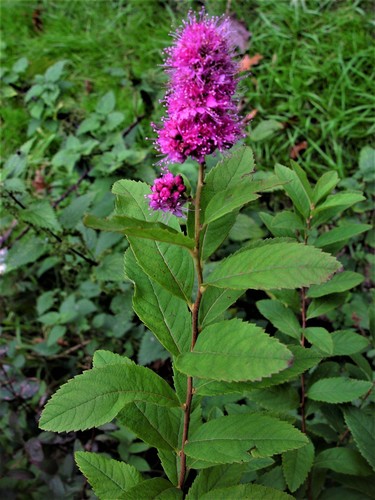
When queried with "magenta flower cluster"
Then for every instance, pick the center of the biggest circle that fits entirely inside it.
(167, 193)
(201, 110)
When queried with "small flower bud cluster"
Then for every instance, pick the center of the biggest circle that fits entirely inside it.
(167, 193)
(201, 112)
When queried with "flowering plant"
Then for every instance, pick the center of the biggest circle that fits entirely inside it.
(183, 299)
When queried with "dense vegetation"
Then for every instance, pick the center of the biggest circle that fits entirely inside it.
(80, 87)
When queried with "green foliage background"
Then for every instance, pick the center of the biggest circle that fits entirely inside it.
(87, 125)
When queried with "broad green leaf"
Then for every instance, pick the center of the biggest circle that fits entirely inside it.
(103, 358)
(274, 265)
(41, 214)
(340, 234)
(245, 228)
(54, 73)
(227, 201)
(156, 488)
(346, 342)
(131, 201)
(281, 398)
(150, 350)
(362, 428)
(303, 360)
(106, 104)
(282, 317)
(324, 186)
(322, 305)
(334, 205)
(215, 301)
(109, 478)
(234, 351)
(367, 163)
(276, 229)
(245, 492)
(320, 338)
(142, 229)
(90, 124)
(265, 129)
(215, 477)
(228, 439)
(297, 465)
(338, 390)
(295, 189)
(302, 177)
(25, 251)
(96, 397)
(110, 268)
(170, 462)
(213, 235)
(164, 314)
(156, 425)
(341, 282)
(73, 213)
(344, 461)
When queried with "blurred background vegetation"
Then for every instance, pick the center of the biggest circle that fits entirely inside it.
(81, 82)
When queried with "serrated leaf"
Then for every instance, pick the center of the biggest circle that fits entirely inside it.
(344, 461)
(106, 103)
(140, 228)
(281, 398)
(295, 189)
(339, 283)
(228, 439)
(41, 214)
(296, 465)
(227, 201)
(346, 342)
(338, 390)
(281, 317)
(215, 477)
(108, 478)
(303, 178)
(156, 488)
(320, 338)
(346, 199)
(325, 185)
(25, 251)
(164, 314)
(362, 428)
(265, 129)
(103, 358)
(245, 228)
(234, 351)
(213, 235)
(90, 124)
(214, 302)
(96, 397)
(73, 213)
(156, 425)
(110, 268)
(246, 492)
(274, 265)
(151, 350)
(340, 234)
(320, 306)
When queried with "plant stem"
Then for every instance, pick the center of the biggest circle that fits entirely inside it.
(195, 323)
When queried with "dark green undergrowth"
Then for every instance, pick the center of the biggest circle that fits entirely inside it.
(83, 123)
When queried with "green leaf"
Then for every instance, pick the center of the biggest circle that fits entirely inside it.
(215, 477)
(25, 251)
(156, 425)
(334, 205)
(338, 390)
(245, 228)
(20, 65)
(281, 317)
(54, 73)
(228, 439)
(339, 283)
(265, 129)
(320, 338)
(170, 462)
(109, 478)
(274, 265)
(213, 235)
(142, 229)
(362, 428)
(295, 189)
(103, 358)
(281, 398)
(41, 214)
(106, 104)
(344, 461)
(96, 397)
(324, 186)
(214, 302)
(151, 350)
(73, 213)
(90, 124)
(303, 178)
(297, 464)
(110, 268)
(346, 342)
(367, 163)
(341, 234)
(245, 492)
(113, 120)
(321, 306)
(234, 351)
(156, 488)
(164, 314)
(227, 201)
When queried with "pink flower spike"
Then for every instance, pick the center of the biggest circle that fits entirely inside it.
(167, 193)
(201, 109)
